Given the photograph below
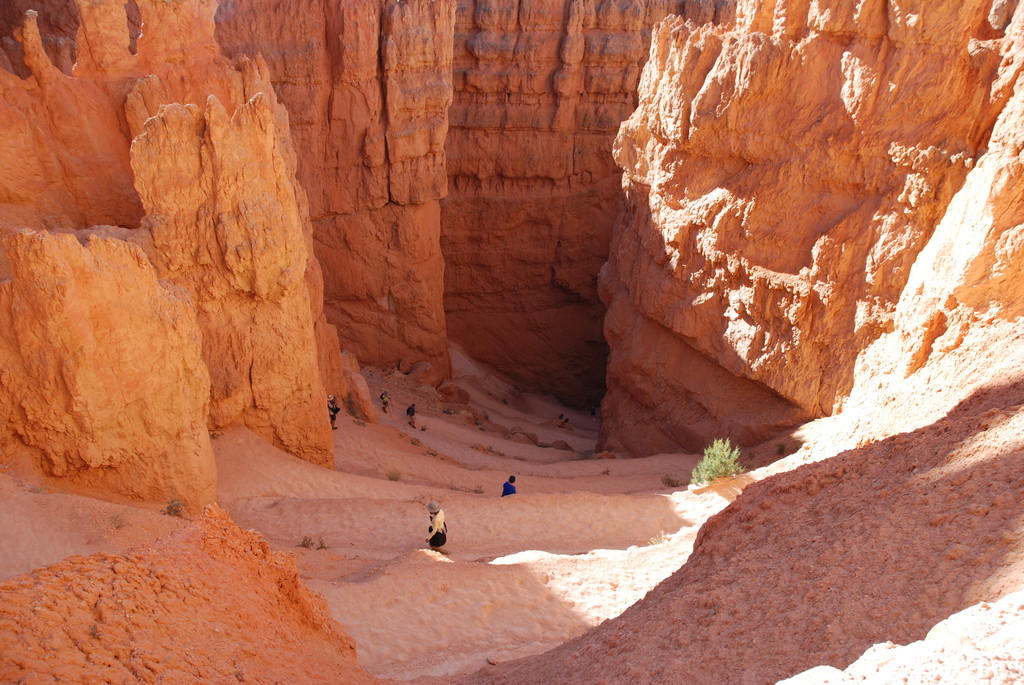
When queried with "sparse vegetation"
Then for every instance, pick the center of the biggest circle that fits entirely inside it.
(307, 542)
(423, 429)
(321, 545)
(432, 453)
(416, 442)
(659, 539)
(780, 449)
(175, 507)
(488, 449)
(479, 489)
(606, 472)
(394, 474)
(671, 482)
(587, 454)
(118, 522)
(720, 459)
(94, 632)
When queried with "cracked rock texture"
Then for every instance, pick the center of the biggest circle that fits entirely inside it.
(785, 177)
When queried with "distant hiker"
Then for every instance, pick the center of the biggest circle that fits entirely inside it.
(333, 408)
(508, 488)
(437, 533)
(385, 401)
(411, 413)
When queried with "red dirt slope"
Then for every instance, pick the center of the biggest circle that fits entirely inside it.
(210, 603)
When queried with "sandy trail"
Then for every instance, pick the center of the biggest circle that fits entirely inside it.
(582, 540)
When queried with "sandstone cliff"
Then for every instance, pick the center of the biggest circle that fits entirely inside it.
(540, 90)
(211, 603)
(368, 86)
(102, 379)
(211, 198)
(783, 175)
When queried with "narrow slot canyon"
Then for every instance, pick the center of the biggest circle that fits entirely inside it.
(285, 283)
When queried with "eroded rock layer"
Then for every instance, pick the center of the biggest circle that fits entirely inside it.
(540, 90)
(368, 86)
(207, 190)
(782, 176)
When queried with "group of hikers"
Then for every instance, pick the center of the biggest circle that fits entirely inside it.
(437, 532)
(385, 401)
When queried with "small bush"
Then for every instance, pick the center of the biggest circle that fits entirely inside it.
(94, 632)
(659, 539)
(479, 489)
(416, 442)
(780, 449)
(720, 459)
(118, 522)
(175, 507)
(432, 453)
(321, 545)
(671, 482)
(394, 474)
(307, 542)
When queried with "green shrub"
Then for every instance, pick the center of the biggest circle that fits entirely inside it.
(720, 459)
(670, 482)
(394, 474)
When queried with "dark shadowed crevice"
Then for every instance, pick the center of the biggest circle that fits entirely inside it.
(134, 25)
(58, 25)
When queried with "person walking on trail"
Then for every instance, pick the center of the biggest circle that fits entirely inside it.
(509, 488)
(411, 413)
(385, 401)
(437, 533)
(333, 408)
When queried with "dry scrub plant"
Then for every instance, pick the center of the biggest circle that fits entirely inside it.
(720, 459)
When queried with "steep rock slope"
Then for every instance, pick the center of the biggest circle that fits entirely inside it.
(102, 377)
(368, 86)
(211, 199)
(814, 566)
(540, 90)
(211, 603)
(782, 176)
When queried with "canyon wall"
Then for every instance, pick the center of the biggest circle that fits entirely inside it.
(540, 89)
(200, 200)
(783, 175)
(461, 148)
(368, 86)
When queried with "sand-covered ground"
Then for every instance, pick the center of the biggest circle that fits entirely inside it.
(586, 536)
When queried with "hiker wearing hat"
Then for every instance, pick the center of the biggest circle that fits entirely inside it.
(438, 531)
(333, 408)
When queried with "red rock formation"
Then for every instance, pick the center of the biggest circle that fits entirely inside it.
(782, 176)
(540, 90)
(368, 85)
(102, 380)
(211, 603)
(225, 219)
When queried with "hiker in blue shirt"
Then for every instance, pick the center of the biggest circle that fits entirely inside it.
(508, 488)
